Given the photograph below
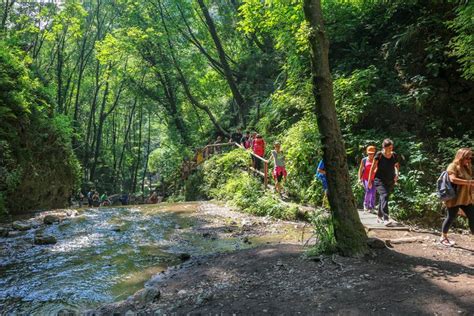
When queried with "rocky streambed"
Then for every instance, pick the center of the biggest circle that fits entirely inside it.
(77, 260)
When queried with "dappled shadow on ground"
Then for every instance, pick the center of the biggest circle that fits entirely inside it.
(275, 279)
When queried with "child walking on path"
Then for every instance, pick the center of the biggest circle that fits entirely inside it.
(364, 171)
(279, 171)
(460, 174)
(386, 171)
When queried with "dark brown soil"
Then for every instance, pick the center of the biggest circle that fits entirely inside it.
(422, 278)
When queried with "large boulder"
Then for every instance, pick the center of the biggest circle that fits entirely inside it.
(22, 225)
(51, 219)
(147, 296)
(4, 231)
(45, 240)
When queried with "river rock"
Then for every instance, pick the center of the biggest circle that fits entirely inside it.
(45, 239)
(67, 312)
(116, 228)
(184, 256)
(4, 232)
(148, 295)
(51, 219)
(376, 243)
(21, 225)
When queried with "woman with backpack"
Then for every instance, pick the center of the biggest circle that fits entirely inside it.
(460, 174)
(364, 170)
(384, 171)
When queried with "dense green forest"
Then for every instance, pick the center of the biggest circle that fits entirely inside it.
(115, 95)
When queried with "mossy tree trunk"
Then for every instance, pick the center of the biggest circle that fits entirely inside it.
(349, 232)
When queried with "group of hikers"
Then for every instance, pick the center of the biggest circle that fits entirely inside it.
(255, 143)
(378, 173)
(94, 199)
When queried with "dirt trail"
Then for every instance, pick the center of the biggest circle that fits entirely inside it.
(422, 278)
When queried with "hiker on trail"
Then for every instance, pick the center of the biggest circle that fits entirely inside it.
(259, 150)
(245, 140)
(95, 199)
(253, 136)
(385, 172)
(321, 175)
(153, 199)
(236, 136)
(460, 174)
(279, 171)
(90, 194)
(364, 170)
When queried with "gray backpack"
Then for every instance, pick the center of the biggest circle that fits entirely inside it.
(445, 189)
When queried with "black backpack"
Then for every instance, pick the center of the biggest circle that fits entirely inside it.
(445, 189)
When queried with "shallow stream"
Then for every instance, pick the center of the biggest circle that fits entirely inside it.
(101, 255)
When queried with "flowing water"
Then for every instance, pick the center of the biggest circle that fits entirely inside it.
(102, 255)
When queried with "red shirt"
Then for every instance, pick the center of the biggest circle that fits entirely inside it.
(366, 170)
(259, 147)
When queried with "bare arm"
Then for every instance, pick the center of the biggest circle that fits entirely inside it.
(361, 167)
(397, 171)
(459, 181)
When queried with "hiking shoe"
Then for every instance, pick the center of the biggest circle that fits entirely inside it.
(446, 242)
(388, 223)
(380, 220)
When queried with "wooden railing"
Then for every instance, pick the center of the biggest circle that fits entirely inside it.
(205, 153)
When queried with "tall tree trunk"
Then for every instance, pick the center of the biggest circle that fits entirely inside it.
(145, 165)
(98, 140)
(118, 168)
(88, 146)
(239, 99)
(82, 66)
(349, 232)
(139, 153)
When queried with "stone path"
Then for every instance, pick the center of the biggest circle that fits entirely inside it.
(369, 221)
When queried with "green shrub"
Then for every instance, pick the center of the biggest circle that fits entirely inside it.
(324, 232)
(224, 178)
(303, 150)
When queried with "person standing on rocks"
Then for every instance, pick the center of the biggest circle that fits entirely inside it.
(385, 172)
(460, 174)
(96, 199)
(90, 194)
